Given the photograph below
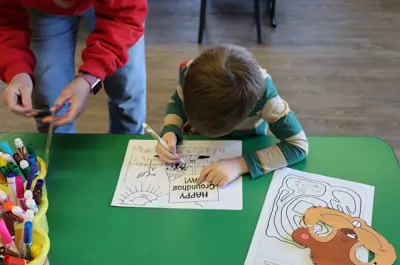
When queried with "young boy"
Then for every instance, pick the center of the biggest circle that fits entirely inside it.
(222, 92)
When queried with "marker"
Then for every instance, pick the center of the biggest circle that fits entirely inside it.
(19, 144)
(28, 195)
(10, 260)
(30, 177)
(31, 150)
(3, 172)
(19, 212)
(3, 197)
(17, 171)
(24, 165)
(28, 226)
(8, 158)
(9, 221)
(32, 162)
(3, 163)
(8, 206)
(38, 195)
(39, 183)
(7, 252)
(160, 140)
(28, 218)
(12, 189)
(31, 204)
(35, 250)
(7, 239)
(20, 191)
(17, 158)
(6, 148)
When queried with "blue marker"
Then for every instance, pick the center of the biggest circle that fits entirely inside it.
(28, 227)
(32, 162)
(6, 148)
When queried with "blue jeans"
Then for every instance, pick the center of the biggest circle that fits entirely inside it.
(53, 42)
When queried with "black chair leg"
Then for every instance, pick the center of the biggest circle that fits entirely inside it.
(257, 16)
(202, 24)
(271, 12)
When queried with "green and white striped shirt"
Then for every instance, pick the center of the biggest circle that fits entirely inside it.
(271, 111)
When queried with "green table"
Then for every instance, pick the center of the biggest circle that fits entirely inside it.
(85, 229)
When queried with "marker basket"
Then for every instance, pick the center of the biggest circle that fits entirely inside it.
(42, 175)
(39, 237)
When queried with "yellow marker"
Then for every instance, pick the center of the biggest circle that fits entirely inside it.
(3, 163)
(35, 250)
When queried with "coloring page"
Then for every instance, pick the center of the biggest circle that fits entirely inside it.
(145, 181)
(290, 194)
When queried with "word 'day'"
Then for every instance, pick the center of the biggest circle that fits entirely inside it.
(185, 189)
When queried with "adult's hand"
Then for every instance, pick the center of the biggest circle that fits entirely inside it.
(76, 94)
(18, 95)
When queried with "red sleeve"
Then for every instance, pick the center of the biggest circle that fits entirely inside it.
(15, 54)
(119, 25)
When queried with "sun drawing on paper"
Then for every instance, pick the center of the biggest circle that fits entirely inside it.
(140, 196)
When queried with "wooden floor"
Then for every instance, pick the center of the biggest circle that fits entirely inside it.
(337, 63)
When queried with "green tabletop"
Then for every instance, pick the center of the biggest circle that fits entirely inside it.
(85, 229)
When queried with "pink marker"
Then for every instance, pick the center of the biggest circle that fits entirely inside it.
(3, 197)
(20, 191)
(7, 238)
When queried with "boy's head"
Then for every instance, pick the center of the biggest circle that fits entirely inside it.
(220, 89)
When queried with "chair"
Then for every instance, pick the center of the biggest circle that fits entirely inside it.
(257, 16)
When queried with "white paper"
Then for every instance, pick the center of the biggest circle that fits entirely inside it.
(145, 181)
(290, 194)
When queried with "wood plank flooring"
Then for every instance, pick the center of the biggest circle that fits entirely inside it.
(337, 63)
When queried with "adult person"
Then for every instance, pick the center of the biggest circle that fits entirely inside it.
(37, 48)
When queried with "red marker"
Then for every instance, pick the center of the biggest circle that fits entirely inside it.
(9, 260)
(20, 146)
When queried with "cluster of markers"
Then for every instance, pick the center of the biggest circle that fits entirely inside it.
(21, 204)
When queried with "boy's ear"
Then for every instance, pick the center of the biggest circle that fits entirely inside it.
(302, 236)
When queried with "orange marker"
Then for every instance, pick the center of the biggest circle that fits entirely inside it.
(8, 206)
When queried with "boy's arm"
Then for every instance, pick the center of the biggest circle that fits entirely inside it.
(174, 115)
(285, 126)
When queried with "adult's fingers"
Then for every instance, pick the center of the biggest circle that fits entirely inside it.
(26, 98)
(204, 173)
(60, 101)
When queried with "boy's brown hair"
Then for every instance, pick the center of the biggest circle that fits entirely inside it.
(220, 89)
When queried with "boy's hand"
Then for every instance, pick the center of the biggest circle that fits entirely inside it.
(223, 171)
(170, 156)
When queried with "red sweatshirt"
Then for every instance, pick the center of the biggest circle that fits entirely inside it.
(119, 25)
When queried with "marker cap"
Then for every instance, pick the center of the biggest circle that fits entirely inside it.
(18, 142)
(3, 197)
(4, 233)
(8, 252)
(28, 232)
(18, 210)
(9, 260)
(8, 206)
(23, 164)
(39, 183)
(32, 162)
(6, 148)
(29, 214)
(35, 250)
(4, 171)
(20, 187)
(30, 149)
(8, 157)
(28, 194)
(17, 157)
(30, 203)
